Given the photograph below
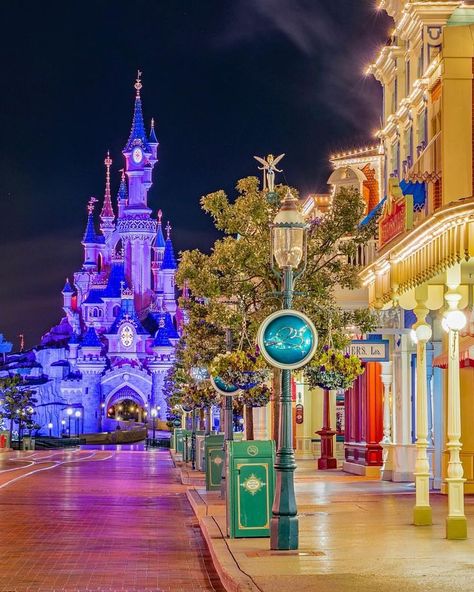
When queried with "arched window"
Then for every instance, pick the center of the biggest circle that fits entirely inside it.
(95, 313)
(99, 262)
(116, 311)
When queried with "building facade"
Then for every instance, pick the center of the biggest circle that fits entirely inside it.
(109, 354)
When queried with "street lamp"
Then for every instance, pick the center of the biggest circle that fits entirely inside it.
(288, 249)
(69, 412)
(50, 427)
(63, 428)
(154, 413)
(78, 415)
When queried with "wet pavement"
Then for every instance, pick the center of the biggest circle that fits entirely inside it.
(98, 520)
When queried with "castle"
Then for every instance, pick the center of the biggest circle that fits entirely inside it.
(121, 322)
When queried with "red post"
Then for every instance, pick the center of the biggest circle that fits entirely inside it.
(326, 460)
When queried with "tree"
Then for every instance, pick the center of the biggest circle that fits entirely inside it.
(236, 287)
(18, 403)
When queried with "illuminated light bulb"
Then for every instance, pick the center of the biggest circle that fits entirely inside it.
(456, 320)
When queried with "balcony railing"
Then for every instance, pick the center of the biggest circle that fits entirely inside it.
(427, 167)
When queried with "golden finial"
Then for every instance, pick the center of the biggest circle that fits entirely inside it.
(152, 123)
(122, 175)
(108, 160)
(91, 205)
(168, 230)
(160, 215)
(138, 83)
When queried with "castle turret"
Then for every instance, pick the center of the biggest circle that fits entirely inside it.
(90, 240)
(168, 272)
(153, 142)
(67, 293)
(158, 253)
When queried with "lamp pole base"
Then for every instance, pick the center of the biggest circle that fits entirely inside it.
(284, 533)
(422, 516)
(456, 528)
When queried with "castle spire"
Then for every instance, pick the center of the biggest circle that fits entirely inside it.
(160, 239)
(89, 234)
(169, 260)
(107, 215)
(152, 137)
(137, 133)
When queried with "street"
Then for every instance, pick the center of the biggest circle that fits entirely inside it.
(98, 520)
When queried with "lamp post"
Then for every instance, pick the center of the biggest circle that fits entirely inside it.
(154, 413)
(78, 416)
(50, 428)
(101, 416)
(456, 523)
(69, 412)
(63, 427)
(288, 249)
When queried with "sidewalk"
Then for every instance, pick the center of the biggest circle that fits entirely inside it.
(355, 535)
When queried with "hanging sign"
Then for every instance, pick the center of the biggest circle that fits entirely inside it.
(370, 350)
(224, 388)
(299, 414)
(287, 339)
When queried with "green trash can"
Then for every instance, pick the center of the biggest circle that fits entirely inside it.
(250, 487)
(214, 454)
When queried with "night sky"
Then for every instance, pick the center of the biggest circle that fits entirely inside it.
(224, 79)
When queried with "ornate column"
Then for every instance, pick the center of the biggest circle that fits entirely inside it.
(327, 459)
(386, 442)
(422, 510)
(454, 321)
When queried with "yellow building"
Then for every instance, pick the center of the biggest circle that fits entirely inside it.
(424, 260)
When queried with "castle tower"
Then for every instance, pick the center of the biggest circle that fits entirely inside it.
(158, 253)
(90, 240)
(168, 272)
(137, 229)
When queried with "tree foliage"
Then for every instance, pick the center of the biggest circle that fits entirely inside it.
(235, 286)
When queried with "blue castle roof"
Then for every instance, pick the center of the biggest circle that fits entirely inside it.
(114, 284)
(161, 338)
(91, 339)
(169, 260)
(152, 138)
(122, 193)
(160, 239)
(128, 313)
(90, 235)
(137, 133)
(68, 289)
(94, 297)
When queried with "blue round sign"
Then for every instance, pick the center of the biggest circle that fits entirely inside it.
(287, 339)
(224, 388)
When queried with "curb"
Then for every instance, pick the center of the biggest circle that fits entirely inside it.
(232, 578)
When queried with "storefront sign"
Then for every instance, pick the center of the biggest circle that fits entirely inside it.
(397, 215)
(287, 339)
(370, 350)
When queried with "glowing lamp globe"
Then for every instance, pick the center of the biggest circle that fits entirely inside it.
(288, 231)
(78, 414)
(423, 333)
(456, 320)
(69, 411)
(50, 426)
(154, 412)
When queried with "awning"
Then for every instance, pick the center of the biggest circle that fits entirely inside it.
(373, 212)
(418, 190)
(466, 354)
